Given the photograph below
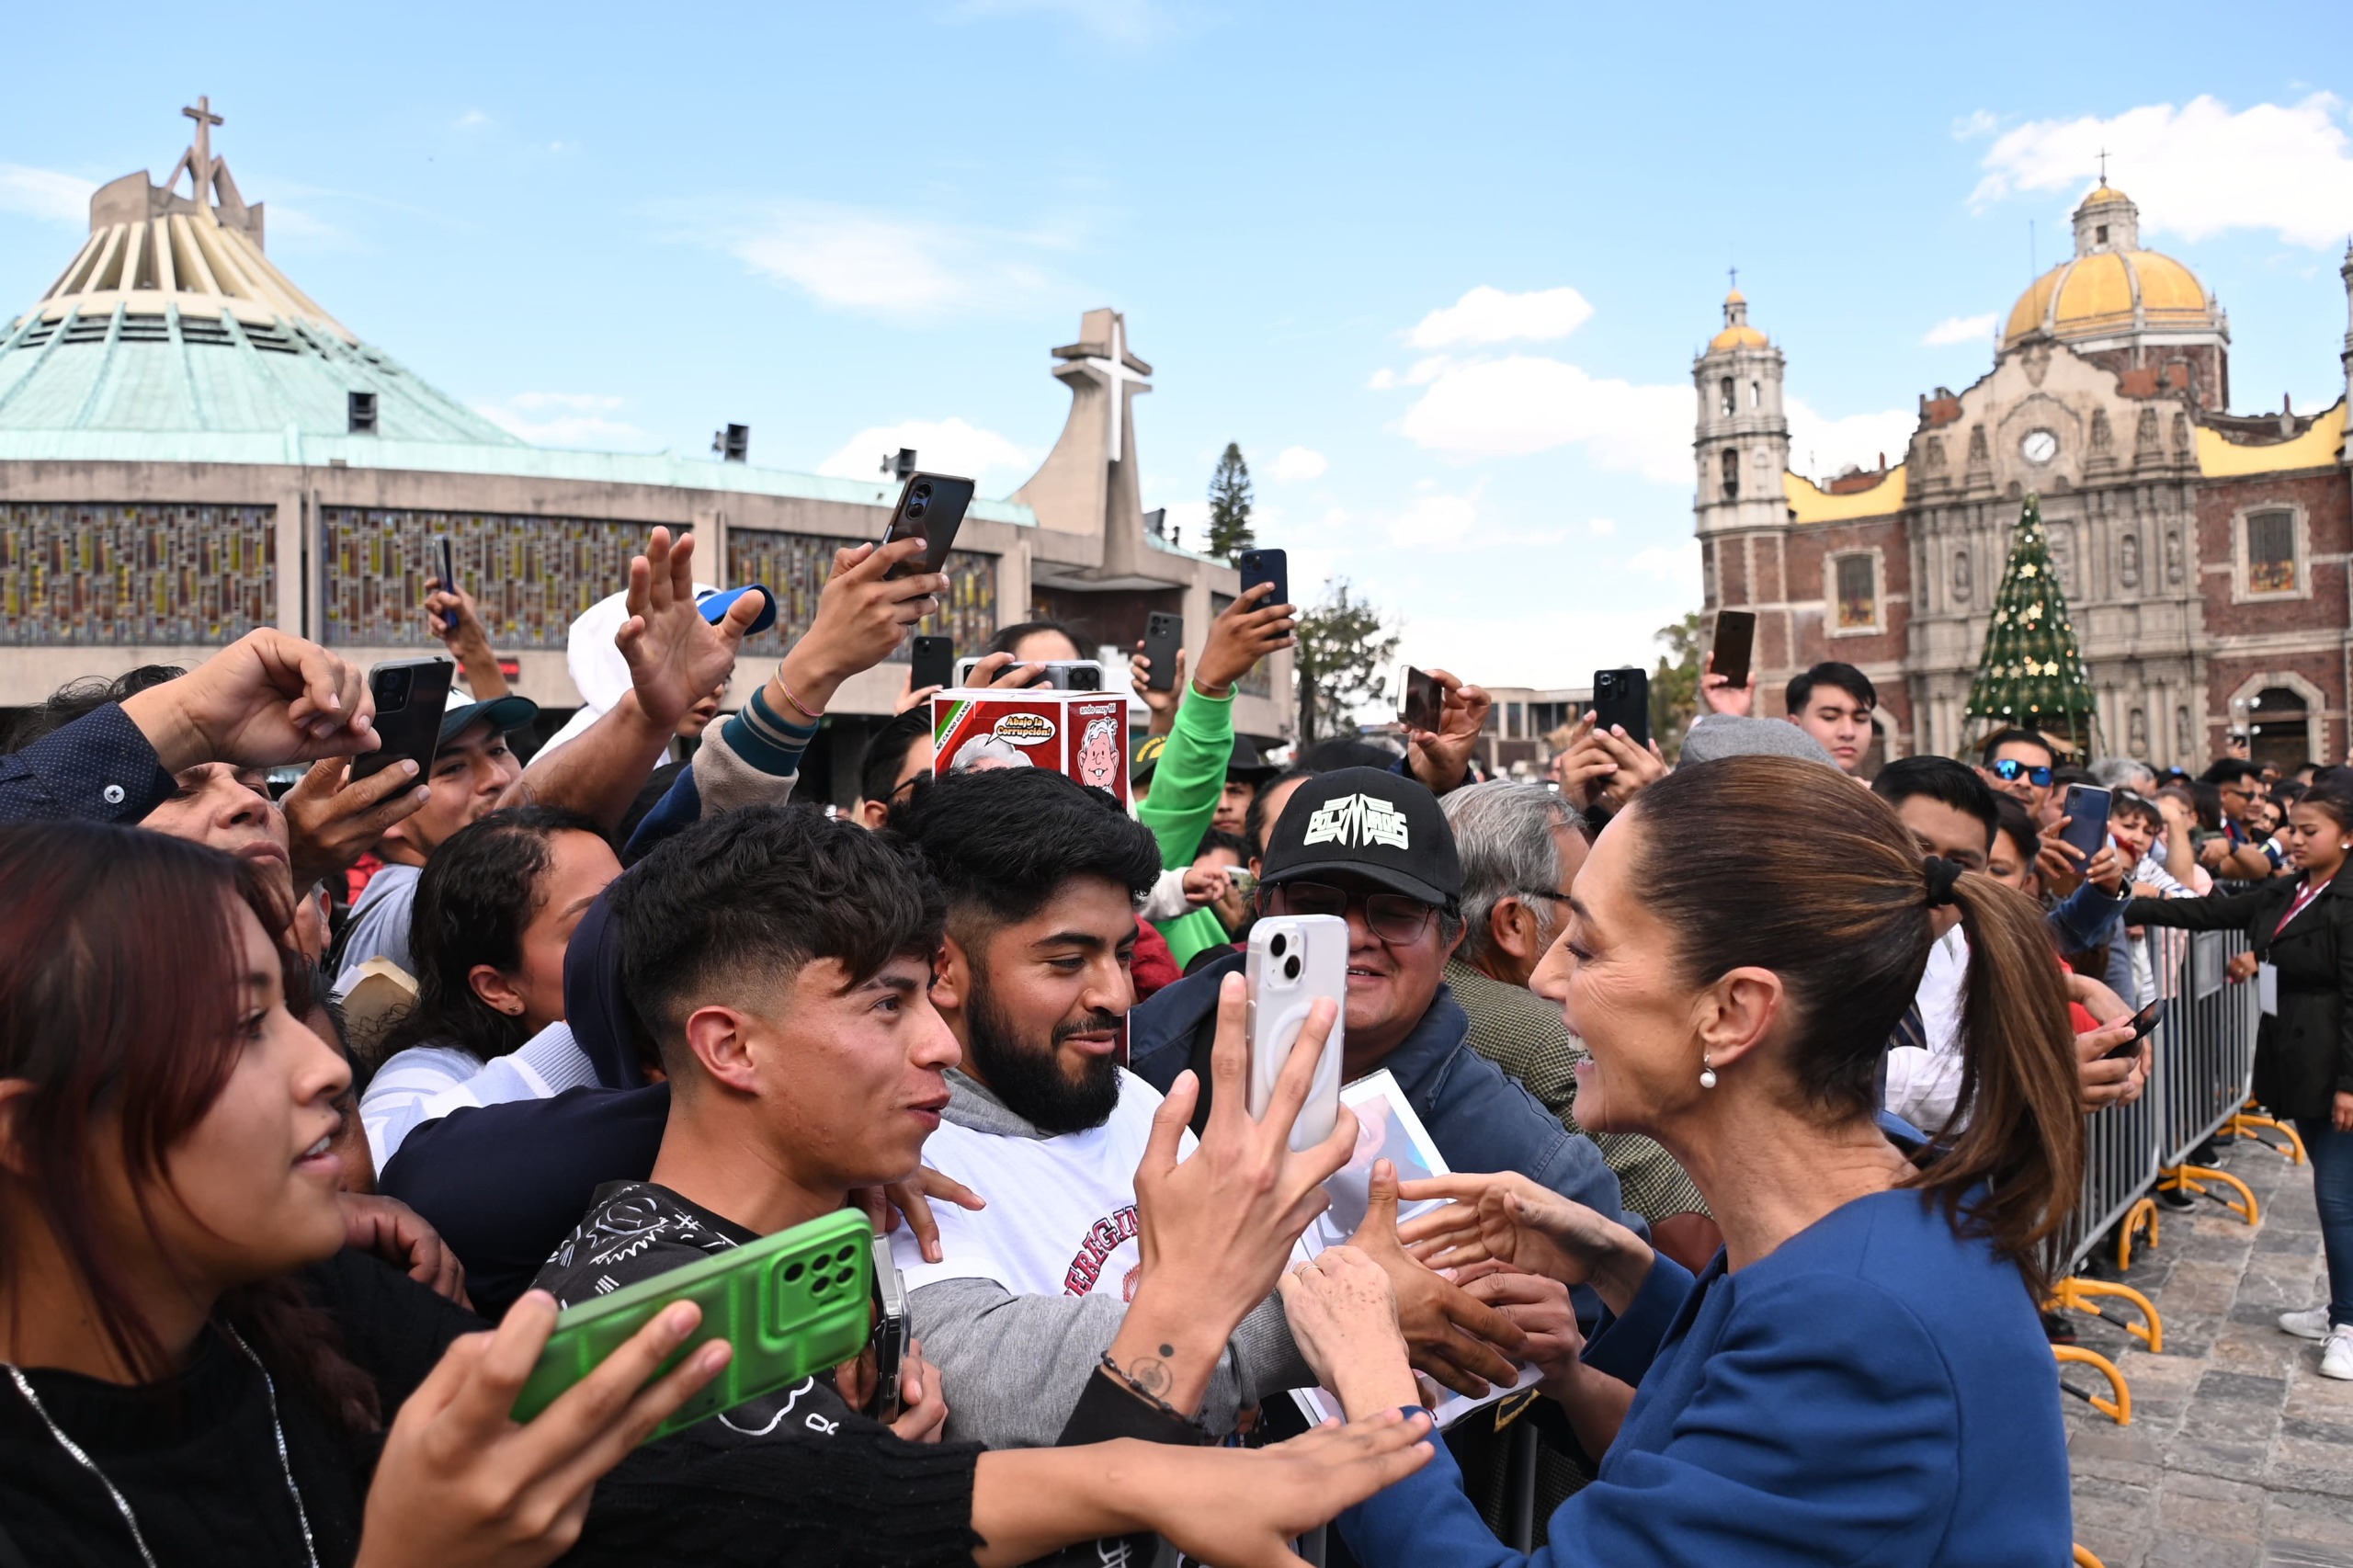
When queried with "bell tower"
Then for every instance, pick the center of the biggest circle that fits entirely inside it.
(1743, 443)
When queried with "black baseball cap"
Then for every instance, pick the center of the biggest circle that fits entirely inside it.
(1369, 822)
(1247, 765)
(505, 713)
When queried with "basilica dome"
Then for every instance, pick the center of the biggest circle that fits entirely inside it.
(2111, 288)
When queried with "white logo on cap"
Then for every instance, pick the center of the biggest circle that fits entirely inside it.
(1353, 820)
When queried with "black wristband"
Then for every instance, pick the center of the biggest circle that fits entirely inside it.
(1107, 1408)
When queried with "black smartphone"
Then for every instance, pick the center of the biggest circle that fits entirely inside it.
(934, 661)
(2086, 810)
(931, 507)
(1421, 702)
(449, 567)
(1622, 697)
(1265, 567)
(410, 695)
(891, 1337)
(2143, 1023)
(1163, 634)
(1735, 637)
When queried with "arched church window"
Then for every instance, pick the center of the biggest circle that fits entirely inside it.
(1732, 475)
(1756, 394)
(1730, 407)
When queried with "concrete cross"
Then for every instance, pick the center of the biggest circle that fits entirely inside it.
(1116, 378)
(205, 120)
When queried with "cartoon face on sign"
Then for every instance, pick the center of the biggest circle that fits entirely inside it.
(1098, 755)
(983, 752)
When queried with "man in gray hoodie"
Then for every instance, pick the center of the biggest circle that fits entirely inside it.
(1030, 1294)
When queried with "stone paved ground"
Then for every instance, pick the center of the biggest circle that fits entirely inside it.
(2240, 1455)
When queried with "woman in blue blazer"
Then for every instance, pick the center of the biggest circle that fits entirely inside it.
(1859, 1376)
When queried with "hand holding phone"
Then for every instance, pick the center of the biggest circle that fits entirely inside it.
(1259, 566)
(1421, 702)
(411, 696)
(2087, 812)
(1162, 635)
(933, 662)
(1294, 960)
(2145, 1023)
(931, 507)
(1622, 698)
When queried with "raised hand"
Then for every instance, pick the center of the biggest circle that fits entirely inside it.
(331, 821)
(1249, 631)
(1161, 703)
(1508, 1218)
(462, 1485)
(1720, 696)
(676, 656)
(1454, 1337)
(1344, 1317)
(266, 698)
(404, 1238)
(1440, 758)
(449, 611)
(863, 615)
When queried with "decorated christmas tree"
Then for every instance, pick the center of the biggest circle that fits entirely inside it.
(2032, 674)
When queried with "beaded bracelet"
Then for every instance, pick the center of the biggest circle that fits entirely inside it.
(1150, 1398)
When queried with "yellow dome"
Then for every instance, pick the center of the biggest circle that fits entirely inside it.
(2108, 292)
(2106, 192)
(1737, 337)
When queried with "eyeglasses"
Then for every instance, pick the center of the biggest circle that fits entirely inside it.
(1393, 916)
(2009, 770)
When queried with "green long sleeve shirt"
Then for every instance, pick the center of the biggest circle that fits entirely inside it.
(1186, 784)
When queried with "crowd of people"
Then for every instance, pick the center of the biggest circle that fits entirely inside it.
(1755, 1097)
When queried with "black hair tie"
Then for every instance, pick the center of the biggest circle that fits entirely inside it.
(1941, 875)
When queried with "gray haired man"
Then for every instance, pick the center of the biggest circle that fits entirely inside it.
(1521, 848)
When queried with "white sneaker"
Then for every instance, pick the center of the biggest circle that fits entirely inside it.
(2336, 1354)
(2309, 1324)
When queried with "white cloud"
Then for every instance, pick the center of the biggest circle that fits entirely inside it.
(1190, 521)
(565, 419)
(1677, 565)
(1981, 122)
(1552, 646)
(942, 446)
(45, 194)
(1602, 527)
(1960, 329)
(1436, 520)
(1490, 315)
(1820, 448)
(880, 266)
(1293, 464)
(1526, 403)
(2195, 170)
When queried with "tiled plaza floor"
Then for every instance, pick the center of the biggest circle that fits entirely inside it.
(2239, 1452)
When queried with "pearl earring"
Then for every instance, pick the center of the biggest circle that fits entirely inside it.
(1707, 1074)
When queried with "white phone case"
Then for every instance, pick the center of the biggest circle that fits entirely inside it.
(1293, 960)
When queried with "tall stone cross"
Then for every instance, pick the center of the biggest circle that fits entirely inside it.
(200, 158)
(2103, 165)
(1117, 377)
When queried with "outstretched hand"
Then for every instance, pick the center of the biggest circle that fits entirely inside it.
(1440, 758)
(1508, 1218)
(674, 656)
(462, 1485)
(1343, 1315)
(266, 698)
(1457, 1339)
(1251, 628)
(332, 821)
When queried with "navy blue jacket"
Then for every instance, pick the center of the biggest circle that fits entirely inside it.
(97, 769)
(1480, 1117)
(1876, 1391)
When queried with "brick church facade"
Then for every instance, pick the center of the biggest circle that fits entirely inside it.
(2204, 554)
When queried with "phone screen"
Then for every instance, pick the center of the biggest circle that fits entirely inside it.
(1735, 635)
(2143, 1023)
(1420, 701)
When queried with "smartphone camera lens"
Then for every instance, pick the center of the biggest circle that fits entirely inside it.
(393, 694)
(1277, 944)
(1291, 968)
(914, 510)
(922, 493)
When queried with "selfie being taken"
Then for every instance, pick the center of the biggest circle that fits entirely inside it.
(681, 884)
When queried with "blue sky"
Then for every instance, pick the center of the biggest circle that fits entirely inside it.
(1439, 270)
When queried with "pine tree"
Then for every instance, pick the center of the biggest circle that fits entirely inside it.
(1230, 505)
(2032, 673)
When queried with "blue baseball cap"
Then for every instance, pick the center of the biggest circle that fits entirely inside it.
(715, 604)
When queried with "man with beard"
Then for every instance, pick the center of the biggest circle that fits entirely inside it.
(1041, 877)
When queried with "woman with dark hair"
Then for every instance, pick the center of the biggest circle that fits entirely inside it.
(1859, 1375)
(191, 1368)
(2302, 928)
(494, 913)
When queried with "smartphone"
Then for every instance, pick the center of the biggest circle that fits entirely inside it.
(1735, 637)
(1163, 634)
(1293, 960)
(1421, 701)
(931, 507)
(449, 567)
(1265, 567)
(1622, 697)
(2086, 810)
(410, 697)
(793, 1303)
(891, 1335)
(2144, 1022)
(934, 661)
(1061, 675)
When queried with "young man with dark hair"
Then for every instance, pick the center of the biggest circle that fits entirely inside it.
(2022, 765)
(1834, 702)
(2241, 850)
(1041, 877)
(898, 755)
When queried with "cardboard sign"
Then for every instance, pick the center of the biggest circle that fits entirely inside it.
(1080, 735)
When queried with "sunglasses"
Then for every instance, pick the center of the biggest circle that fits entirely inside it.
(2009, 770)
(1393, 916)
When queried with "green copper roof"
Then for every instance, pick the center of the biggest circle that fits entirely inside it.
(215, 375)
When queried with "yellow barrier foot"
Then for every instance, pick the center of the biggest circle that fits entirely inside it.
(2085, 1559)
(2141, 1214)
(2244, 1125)
(2193, 1178)
(2119, 1409)
(2085, 1295)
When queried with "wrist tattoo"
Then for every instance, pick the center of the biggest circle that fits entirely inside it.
(1151, 1376)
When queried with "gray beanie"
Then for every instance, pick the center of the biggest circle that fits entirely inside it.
(1727, 734)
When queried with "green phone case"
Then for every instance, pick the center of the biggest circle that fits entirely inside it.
(793, 1303)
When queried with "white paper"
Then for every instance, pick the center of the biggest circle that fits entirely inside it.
(1387, 1129)
(2267, 988)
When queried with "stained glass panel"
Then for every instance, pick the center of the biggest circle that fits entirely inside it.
(73, 573)
(796, 566)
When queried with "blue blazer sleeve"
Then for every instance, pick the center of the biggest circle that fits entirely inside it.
(1823, 1430)
(97, 769)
